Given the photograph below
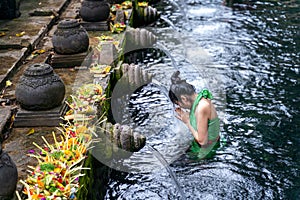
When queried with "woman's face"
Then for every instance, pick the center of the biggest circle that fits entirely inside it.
(180, 104)
(185, 102)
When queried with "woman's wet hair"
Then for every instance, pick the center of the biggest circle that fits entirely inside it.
(179, 87)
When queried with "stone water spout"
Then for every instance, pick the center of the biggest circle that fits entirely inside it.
(116, 142)
(139, 38)
(143, 15)
(124, 137)
(135, 75)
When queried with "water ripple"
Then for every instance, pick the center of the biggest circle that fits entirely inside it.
(249, 57)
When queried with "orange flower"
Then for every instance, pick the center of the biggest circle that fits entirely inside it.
(40, 184)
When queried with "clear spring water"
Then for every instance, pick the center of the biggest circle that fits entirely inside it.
(249, 58)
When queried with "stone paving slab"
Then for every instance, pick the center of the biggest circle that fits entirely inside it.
(29, 32)
(23, 34)
(32, 26)
(72, 11)
(10, 60)
(5, 115)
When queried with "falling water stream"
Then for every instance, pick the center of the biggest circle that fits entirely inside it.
(166, 164)
(248, 56)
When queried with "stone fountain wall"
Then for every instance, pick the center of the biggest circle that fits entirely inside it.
(120, 135)
(117, 138)
(118, 141)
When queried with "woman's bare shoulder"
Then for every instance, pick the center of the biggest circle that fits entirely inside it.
(203, 106)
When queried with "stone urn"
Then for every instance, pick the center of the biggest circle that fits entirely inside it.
(70, 38)
(94, 10)
(8, 176)
(39, 88)
(9, 9)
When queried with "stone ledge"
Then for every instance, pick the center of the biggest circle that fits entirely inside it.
(47, 118)
(61, 61)
(3, 78)
(95, 26)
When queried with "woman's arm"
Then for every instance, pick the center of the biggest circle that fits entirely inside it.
(202, 114)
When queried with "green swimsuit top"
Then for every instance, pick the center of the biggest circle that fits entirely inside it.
(213, 125)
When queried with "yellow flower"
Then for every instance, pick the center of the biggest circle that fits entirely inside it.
(142, 4)
(20, 34)
(57, 170)
(8, 83)
(31, 131)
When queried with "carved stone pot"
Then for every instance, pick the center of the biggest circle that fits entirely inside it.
(115, 1)
(39, 88)
(9, 9)
(8, 176)
(94, 10)
(70, 38)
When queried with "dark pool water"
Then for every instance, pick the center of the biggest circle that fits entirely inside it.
(249, 57)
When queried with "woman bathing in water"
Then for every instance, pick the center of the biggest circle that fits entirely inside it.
(202, 119)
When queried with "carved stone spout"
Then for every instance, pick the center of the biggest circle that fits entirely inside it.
(138, 38)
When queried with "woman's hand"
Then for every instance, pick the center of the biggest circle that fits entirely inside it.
(183, 115)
